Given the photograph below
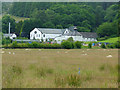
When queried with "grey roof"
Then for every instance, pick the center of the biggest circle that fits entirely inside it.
(72, 28)
(51, 31)
(73, 33)
(7, 35)
(88, 34)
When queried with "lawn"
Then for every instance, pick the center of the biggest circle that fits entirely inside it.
(111, 40)
(50, 68)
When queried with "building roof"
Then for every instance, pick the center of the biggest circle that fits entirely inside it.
(51, 31)
(73, 33)
(72, 28)
(88, 34)
(7, 35)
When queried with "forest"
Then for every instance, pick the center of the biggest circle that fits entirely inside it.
(100, 17)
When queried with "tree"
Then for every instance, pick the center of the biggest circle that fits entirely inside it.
(78, 44)
(66, 45)
(5, 24)
(18, 28)
(70, 39)
(89, 45)
(106, 29)
(112, 13)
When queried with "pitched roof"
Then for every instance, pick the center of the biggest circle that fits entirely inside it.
(7, 35)
(73, 33)
(88, 34)
(51, 31)
(72, 28)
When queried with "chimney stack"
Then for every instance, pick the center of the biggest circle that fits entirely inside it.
(9, 27)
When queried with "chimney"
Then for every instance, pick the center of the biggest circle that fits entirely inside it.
(9, 27)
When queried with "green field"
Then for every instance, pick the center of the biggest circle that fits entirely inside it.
(111, 40)
(51, 68)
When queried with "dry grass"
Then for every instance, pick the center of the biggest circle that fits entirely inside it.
(45, 68)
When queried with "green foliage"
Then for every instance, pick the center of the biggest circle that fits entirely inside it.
(78, 44)
(106, 29)
(66, 44)
(103, 45)
(86, 16)
(14, 44)
(6, 41)
(90, 45)
(117, 44)
(5, 24)
(110, 46)
(70, 39)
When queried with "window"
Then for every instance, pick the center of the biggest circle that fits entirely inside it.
(35, 32)
(44, 35)
(39, 35)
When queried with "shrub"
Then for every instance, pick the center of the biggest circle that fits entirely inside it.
(103, 45)
(117, 44)
(70, 39)
(6, 41)
(110, 46)
(66, 45)
(89, 45)
(78, 44)
(35, 44)
(14, 44)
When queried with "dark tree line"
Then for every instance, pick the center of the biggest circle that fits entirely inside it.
(88, 17)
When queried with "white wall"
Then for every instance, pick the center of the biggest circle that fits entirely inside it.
(75, 38)
(48, 36)
(38, 35)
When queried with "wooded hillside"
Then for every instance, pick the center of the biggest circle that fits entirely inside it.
(88, 17)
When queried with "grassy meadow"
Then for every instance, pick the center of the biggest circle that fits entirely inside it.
(111, 40)
(58, 68)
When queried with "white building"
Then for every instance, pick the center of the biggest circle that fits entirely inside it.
(11, 36)
(46, 33)
(62, 34)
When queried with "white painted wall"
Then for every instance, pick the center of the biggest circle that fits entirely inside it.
(38, 35)
(13, 36)
(75, 38)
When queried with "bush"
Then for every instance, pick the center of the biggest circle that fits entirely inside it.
(110, 46)
(66, 45)
(14, 44)
(35, 44)
(103, 45)
(117, 44)
(78, 44)
(89, 45)
(70, 39)
(6, 41)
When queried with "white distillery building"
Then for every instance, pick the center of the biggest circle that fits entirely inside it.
(59, 35)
